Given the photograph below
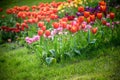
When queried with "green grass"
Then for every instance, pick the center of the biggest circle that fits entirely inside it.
(99, 64)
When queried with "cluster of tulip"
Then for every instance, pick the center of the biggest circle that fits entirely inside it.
(31, 40)
(44, 12)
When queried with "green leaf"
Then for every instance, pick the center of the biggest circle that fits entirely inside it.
(44, 54)
(93, 41)
(50, 60)
(77, 51)
(68, 55)
(52, 51)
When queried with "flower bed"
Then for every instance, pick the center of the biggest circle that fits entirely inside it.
(59, 30)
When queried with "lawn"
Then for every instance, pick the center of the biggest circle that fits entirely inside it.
(101, 62)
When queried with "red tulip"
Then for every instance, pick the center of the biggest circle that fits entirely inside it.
(18, 25)
(81, 19)
(55, 10)
(40, 24)
(92, 17)
(70, 17)
(63, 24)
(83, 26)
(24, 25)
(55, 25)
(99, 15)
(94, 30)
(40, 32)
(104, 22)
(64, 19)
(43, 28)
(22, 28)
(47, 33)
(48, 19)
(112, 15)
(80, 9)
(1, 9)
(73, 29)
(53, 16)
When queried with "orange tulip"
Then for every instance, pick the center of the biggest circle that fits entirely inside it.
(103, 3)
(88, 20)
(86, 14)
(73, 29)
(103, 8)
(81, 19)
(99, 15)
(63, 24)
(94, 30)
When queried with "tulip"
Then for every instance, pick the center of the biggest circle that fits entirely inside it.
(99, 15)
(92, 17)
(63, 24)
(81, 19)
(83, 26)
(86, 14)
(18, 25)
(103, 8)
(55, 25)
(40, 24)
(112, 15)
(94, 30)
(24, 25)
(1, 9)
(88, 20)
(108, 24)
(104, 22)
(80, 9)
(103, 3)
(40, 32)
(73, 29)
(43, 28)
(71, 17)
(47, 33)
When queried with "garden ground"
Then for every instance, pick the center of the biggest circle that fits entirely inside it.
(99, 64)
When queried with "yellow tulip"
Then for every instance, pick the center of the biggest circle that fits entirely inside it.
(75, 5)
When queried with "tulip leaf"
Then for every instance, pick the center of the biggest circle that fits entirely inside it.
(50, 60)
(44, 54)
(68, 55)
(77, 51)
(93, 41)
(52, 51)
